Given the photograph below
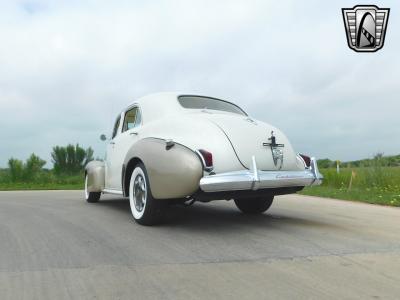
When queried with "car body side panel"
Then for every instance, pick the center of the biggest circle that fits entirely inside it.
(96, 175)
(173, 172)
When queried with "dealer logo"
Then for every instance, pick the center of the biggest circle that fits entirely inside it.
(365, 27)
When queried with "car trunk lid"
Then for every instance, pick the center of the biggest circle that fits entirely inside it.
(250, 137)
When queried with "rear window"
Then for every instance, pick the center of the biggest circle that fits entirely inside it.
(197, 102)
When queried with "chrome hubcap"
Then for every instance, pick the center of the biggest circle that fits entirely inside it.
(139, 192)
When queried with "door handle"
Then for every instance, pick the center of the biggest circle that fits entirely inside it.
(112, 143)
(134, 133)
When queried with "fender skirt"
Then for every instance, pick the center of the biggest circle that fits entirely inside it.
(174, 170)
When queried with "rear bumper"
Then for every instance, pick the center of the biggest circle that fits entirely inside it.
(255, 179)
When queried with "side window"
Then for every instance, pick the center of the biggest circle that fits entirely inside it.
(116, 126)
(132, 119)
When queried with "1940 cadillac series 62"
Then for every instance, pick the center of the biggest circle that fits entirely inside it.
(180, 148)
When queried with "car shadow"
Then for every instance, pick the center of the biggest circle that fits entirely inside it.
(215, 216)
(206, 216)
(117, 204)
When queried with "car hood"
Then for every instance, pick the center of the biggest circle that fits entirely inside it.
(248, 137)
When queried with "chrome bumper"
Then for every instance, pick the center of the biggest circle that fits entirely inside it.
(255, 179)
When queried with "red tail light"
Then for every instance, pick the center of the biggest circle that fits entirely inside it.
(207, 159)
(307, 160)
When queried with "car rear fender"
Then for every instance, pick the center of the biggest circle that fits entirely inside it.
(174, 170)
(96, 176)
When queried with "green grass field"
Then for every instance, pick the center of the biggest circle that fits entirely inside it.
(45, 180)
(376, 184)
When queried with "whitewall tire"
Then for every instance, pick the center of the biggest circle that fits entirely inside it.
(91, 196)
(145, 209)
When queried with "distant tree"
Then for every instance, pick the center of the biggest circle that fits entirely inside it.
(27, 171)
(70, 159)
(16, 169)
(59, 158)
(33, 166)
(377, 160)
(325, 163)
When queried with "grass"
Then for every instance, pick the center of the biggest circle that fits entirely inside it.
(45, 180)
(374, 184)
(18, 186)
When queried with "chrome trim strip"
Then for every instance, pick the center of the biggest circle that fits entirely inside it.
(255, 179)
(314, 169)
(110, 191)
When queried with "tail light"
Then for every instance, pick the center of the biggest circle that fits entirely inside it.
(306, 159)
(206, 158)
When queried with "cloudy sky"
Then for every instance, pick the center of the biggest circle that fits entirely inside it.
(68, 67)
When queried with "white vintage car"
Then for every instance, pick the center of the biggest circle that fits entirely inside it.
(180, 148)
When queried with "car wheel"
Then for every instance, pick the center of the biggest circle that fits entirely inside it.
(145, 209)
(254, 205)
(91, 197)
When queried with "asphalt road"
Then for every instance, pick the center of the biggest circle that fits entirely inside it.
(53, 245)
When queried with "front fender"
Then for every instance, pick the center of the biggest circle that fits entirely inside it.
(174, 172)
(96, 176)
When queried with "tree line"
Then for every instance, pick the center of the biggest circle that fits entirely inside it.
(67, 160)
(378, 159)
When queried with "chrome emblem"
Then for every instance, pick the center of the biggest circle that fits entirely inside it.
(365, 27)
(276, 150)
